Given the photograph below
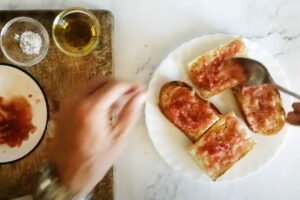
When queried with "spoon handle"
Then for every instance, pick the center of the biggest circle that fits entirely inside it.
(282, 89)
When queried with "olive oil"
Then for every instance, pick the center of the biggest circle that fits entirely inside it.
(77, 33)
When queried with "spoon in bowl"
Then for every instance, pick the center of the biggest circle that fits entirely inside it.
(258, 74)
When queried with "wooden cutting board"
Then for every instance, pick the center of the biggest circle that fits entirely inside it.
(59, 75)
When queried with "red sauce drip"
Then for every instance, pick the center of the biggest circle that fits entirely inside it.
(219, 143)
(188, 111)
(219, 73)
(15, 121)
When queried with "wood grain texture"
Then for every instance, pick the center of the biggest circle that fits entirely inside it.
(59, 75)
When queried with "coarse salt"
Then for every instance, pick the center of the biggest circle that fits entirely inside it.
(30, 42)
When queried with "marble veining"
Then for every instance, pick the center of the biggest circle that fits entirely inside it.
(271, 24)
(160, 189)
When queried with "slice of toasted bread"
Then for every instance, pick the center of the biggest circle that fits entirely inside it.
(186, 110)
(261, 108)
(212, 72)
(221, 146)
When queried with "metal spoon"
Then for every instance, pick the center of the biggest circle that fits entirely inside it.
(258, 74)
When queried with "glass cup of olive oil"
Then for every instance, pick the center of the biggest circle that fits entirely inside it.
(76, 31)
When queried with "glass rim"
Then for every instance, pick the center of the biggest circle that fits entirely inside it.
(37, 24)
(65, 13)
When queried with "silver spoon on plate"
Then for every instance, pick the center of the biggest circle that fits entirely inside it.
(258, 74)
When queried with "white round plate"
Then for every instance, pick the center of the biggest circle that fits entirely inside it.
(16, 82)
(172, 144)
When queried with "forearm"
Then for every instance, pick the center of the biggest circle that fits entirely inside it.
(50, 188)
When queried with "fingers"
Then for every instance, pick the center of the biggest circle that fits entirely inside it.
(118, 105)
(110, 93)
(93, 85)
(129, 114)
(293, 118)
(296, 107)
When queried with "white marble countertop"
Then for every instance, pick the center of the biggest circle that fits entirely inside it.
(145, 32)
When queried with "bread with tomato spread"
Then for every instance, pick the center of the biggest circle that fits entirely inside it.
(225, 143)
(186, 110)
(213, 72)
(261, 108)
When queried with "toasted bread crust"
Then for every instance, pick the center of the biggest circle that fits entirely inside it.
(214, 175)
(210, 55)
(164, 96)
(246, 151)
(265, 131)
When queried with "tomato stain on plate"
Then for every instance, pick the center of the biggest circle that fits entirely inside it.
(15, 121)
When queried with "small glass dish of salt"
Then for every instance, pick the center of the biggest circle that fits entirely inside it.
(24, 41)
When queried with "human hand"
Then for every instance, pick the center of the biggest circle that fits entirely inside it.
(294, 117)
(86, 143)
